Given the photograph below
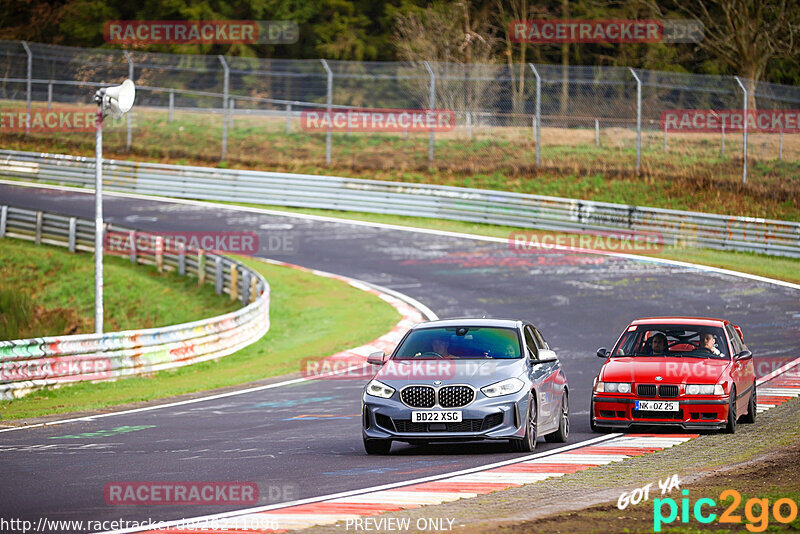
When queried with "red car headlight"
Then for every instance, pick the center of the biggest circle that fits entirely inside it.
(612, 387)
(705, 389)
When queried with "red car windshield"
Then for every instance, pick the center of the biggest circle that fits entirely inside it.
(673, 340)
(460, 342)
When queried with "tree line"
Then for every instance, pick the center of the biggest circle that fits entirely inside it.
(756, 39)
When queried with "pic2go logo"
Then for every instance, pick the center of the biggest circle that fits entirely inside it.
(783, 511)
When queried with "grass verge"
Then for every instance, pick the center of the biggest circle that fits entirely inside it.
(311, 317)
(48, 291)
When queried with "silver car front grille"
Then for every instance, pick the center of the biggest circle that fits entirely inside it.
(428, 397)
(419, 396)
(455, 396)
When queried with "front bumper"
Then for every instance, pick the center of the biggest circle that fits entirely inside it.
(695, 412)
(499, 418)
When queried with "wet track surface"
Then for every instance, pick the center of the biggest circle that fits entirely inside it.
(305, 438)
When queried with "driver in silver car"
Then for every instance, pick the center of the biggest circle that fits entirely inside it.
(440, 347)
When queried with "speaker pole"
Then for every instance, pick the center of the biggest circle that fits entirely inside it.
(118, 100)
(98, 218)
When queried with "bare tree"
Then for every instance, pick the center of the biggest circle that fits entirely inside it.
(458, 46)
(745, 34)
(508, 11)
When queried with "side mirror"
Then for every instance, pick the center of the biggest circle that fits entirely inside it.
(744, 355)
(377, 358)
(546, 356)
(602, 352)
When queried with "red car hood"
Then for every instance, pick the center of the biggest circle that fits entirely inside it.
(671, 370)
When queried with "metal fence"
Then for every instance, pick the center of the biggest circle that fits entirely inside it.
(530, 112)
(29, 364)
(672, 227)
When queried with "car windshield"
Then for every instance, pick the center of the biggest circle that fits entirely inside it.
(460, 342)
(673, 340)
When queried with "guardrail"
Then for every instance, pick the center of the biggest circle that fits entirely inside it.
(29, 364)
(683, 228)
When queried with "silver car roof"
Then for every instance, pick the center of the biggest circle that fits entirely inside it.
(444, 323)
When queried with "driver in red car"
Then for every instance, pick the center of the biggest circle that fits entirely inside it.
(708, 343)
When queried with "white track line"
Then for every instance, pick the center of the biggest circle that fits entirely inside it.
(433, 478)
(780, 370)
(381, 500)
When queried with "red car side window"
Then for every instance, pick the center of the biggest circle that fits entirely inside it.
(736, 341)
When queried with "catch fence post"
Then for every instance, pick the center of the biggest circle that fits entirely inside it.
(744, 140)
(28, 85)
(329, 100)
(129, 138)
(597, 133)
(638, 120)
(431, 106)
(225, 86)
(538, 114)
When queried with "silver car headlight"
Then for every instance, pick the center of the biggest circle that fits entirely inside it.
(379, 389)
(506, 387)
(612, 387)
(705, 389)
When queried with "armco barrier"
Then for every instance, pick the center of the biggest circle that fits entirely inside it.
(684, 228)
(33, 363)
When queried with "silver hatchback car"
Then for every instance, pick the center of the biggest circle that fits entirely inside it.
(466, 380)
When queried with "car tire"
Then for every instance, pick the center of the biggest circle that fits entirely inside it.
(377, 446)
(528, 443)
(562, 434)
(750, 416)
(730, 428)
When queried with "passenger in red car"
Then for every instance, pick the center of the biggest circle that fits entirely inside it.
(658, 344)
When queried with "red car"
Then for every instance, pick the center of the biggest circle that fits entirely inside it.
(687, 371)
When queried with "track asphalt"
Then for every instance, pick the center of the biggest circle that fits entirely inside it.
(303, 440)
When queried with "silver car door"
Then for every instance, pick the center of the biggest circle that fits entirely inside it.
(550, 387)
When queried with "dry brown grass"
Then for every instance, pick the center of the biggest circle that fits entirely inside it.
(690, 174)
